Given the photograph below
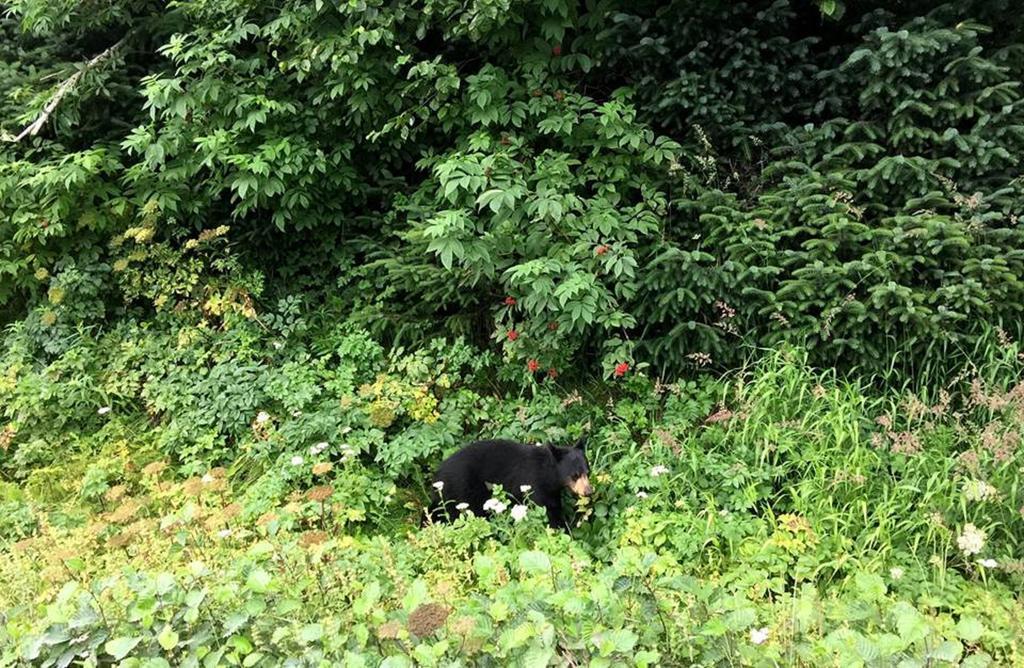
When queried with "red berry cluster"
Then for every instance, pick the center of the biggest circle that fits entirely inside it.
(532, 365)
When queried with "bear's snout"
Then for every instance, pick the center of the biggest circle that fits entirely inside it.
(581, 486)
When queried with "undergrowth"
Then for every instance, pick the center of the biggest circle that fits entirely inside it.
(774, 516)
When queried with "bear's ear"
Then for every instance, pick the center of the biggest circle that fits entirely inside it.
(581, 444)
(557, 452)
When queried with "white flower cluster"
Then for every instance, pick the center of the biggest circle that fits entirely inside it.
(347, 452)
(971, 540)
(495, 506)
(979, 490)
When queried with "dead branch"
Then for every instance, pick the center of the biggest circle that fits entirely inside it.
(66, 86)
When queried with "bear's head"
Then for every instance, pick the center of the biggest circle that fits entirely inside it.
(573, 468)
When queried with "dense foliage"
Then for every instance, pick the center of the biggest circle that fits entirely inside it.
(262, 264)
(660, 181)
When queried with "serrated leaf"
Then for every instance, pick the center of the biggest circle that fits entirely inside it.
(258, 581)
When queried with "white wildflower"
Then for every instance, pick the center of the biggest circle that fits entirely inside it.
(462, 506)
(278, 345)
(104, 410)
(262, 417)
(658, 470)
(989, 563)
(495, 506)
(896, 572)
(297, 460)
(224, 533)
(525, 489)
(518, 512)
(207, 478)
(641, 495)
(439, 485)
(979, 490)
(318, 448)
(758, 636)
(971, 540)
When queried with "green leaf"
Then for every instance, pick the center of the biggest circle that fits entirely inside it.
(311, 633)
(534, 562)
(624, 639)
(368, 599)
(194, 598)
(910, 624)
(168, 638)
(969, 629)
(979, 660)
(870, 585)
(258, 580)
(120, 647)
(739, 620)
(948, 651)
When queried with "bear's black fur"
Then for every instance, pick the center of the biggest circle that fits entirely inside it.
(469, 473)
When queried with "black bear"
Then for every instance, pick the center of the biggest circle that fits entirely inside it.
(535, 472)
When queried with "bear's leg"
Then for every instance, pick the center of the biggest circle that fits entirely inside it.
(475, 495)
(462, 487)
(556, 519)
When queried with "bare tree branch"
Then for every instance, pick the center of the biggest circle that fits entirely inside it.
(66, 86)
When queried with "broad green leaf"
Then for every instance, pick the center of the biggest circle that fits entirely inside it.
(121, 647)
(168, 638)
(259, 580)
(534, 562)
